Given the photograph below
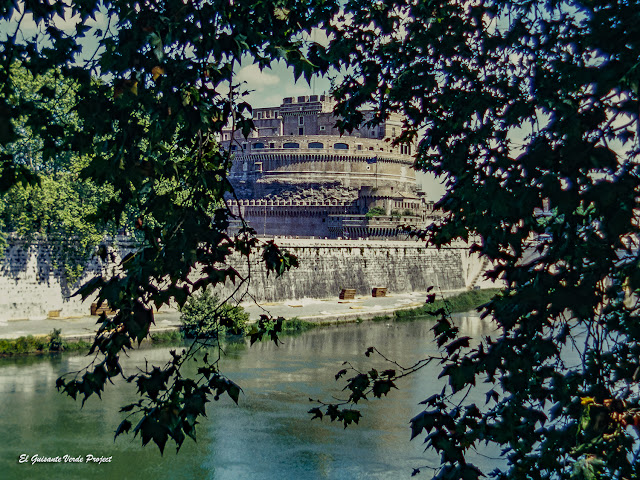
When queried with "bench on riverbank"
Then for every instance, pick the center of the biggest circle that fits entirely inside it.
(347, 294)
(100, 309)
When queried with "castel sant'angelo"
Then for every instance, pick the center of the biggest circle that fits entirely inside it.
(297, 176)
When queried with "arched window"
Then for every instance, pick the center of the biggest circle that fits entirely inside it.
(316, 145)
(341, 146)
(258, 145)
(291, 145)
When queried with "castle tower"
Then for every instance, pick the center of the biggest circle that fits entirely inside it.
(297, 176)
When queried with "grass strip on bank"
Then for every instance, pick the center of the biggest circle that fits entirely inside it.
(460, 303)
(40, 344)
(54, 343)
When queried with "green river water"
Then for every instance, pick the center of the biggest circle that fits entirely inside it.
(268, 435)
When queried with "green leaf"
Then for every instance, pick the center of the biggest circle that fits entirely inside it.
(124, 427)
(233, 391)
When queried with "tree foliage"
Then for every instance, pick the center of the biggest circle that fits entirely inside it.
(204, 315)
(375, 212)
(529, 110)
(56, 206)
(153, 88)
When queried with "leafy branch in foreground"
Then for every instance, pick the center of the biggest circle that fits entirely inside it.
(378, 383)
(148, 106)
(529, 111)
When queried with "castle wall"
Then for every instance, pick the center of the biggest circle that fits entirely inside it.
(349, 169)
(313, 115)
(299, 222)
(327, 266)
(357, 146)
(31, 288)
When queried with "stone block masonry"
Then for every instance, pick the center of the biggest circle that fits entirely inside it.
(327, 266)
(31, 288)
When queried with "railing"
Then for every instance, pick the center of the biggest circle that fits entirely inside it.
(382, 221)
(360, 154)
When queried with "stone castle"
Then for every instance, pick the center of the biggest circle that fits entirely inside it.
(297, 176)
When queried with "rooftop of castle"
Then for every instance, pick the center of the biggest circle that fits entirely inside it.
(312, 115)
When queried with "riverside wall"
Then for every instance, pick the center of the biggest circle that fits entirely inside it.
(32, 288)
(327, 266)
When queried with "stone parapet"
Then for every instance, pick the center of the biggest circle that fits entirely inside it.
(355, 147)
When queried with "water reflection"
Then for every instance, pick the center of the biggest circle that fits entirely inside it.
(269, 435)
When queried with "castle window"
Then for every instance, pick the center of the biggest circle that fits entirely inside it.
(291, 145)
(359, 146)
(258, 145)
(225, 136)
(234, 148)
(272, 145)
(300, 120)
(259, 115)
(340, 146)
(301, 131)
(321, 127)
(316, 145)
(275, 114)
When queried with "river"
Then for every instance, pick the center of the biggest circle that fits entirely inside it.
(268, 435)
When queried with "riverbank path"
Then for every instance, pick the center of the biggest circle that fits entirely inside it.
(330, 310)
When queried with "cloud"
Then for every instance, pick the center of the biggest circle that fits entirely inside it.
(255, 78)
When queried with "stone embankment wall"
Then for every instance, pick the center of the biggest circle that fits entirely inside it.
(327, 266)
(31, 288)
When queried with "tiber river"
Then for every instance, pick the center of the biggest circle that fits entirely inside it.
(268, 436)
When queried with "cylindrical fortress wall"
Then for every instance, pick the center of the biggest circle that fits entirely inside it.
(352, 162)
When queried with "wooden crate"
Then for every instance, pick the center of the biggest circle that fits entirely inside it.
(379, 292)
(347, 294)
